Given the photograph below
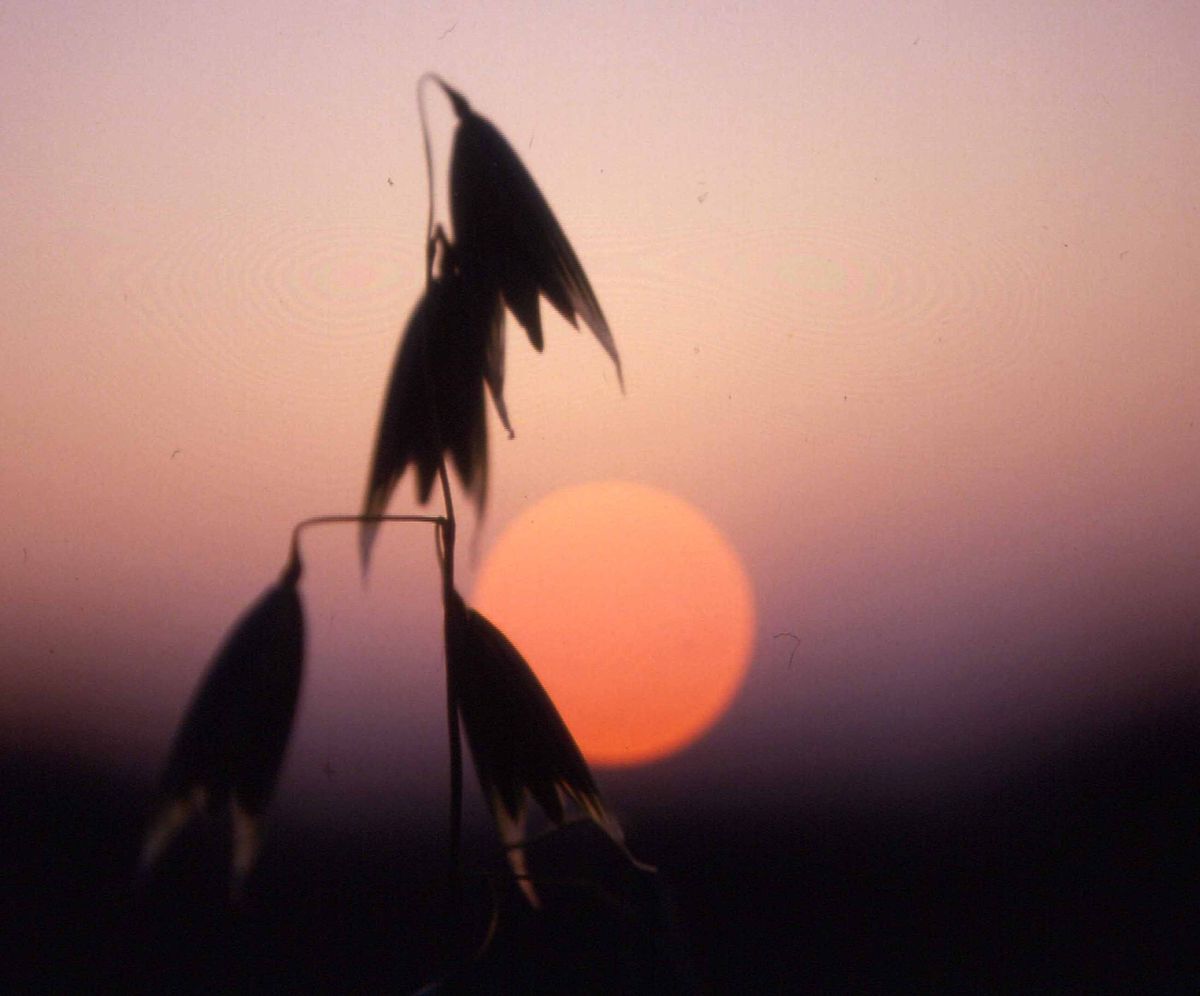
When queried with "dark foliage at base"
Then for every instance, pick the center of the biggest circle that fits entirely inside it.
(1078, 875)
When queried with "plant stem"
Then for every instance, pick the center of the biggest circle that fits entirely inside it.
(446, 526)
(323, 520)
(446, 534)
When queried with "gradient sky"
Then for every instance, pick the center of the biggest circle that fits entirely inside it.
(905, 296)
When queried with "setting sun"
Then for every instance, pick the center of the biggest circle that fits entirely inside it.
(632, 608)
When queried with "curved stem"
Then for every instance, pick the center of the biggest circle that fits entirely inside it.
(322, 520)
(461, 108)
(430, 242)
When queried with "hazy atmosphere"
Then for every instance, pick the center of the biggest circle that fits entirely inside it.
(907, 311)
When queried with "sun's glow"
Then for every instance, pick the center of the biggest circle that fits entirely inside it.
(632, 608)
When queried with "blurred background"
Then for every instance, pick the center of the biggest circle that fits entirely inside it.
(906, 305)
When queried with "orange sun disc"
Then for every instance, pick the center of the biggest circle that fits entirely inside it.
(633, 610)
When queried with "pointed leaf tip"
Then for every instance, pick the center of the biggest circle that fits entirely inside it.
(293, 568)
(461, 108)
(366, 540)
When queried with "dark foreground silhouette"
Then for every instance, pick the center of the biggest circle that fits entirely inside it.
(1075, 875)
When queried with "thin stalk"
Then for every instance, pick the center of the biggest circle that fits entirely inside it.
(293, 568)
(446, 527)
(429, 239)
(322, 520)
(446, 559)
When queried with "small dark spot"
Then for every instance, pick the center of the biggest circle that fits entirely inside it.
(795, 645)
(174, 453)
(1124, 254)
(390, 182)
(703, 197)
(696, 350)
(448, 30)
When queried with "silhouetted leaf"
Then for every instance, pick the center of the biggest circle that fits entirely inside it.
(230, 747)
(503, 225)
(453, 344)
(519, 742)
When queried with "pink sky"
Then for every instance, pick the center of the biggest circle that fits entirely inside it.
(906, 305)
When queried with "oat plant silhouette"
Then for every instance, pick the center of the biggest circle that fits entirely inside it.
(507, 251)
